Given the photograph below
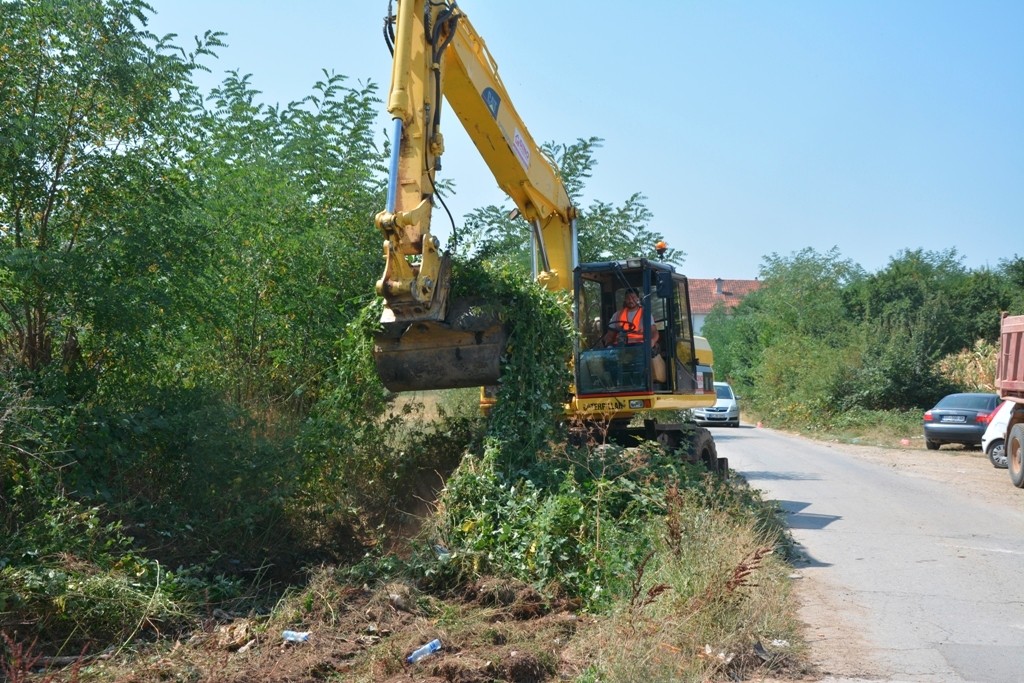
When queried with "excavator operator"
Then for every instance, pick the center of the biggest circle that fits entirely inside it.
(629, 321)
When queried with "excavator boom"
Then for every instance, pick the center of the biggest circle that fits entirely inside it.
(428, 341)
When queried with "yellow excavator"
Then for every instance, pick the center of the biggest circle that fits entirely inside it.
(623, 365)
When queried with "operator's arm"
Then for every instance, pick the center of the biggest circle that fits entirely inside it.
(609, 337)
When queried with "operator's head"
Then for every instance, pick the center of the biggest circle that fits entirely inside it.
(632, 298)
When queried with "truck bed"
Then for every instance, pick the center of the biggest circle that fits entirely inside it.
(1010, 370)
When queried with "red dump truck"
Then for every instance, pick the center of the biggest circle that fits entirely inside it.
(1010, 383)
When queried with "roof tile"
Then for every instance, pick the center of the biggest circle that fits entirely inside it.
(705, 293)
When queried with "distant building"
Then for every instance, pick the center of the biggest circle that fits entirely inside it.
(706, 294)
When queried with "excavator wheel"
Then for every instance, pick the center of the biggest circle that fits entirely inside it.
(702, 449)
(698, 443)
(669, 439)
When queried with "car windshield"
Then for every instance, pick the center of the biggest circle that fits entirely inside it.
(968, 401)
(723, 391)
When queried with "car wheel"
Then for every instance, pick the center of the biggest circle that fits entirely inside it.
(997, 453)
(1015, 455)
(931, 445)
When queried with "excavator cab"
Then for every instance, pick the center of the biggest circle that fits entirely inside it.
(651, 353)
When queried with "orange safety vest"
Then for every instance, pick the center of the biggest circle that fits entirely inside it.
(635, 335)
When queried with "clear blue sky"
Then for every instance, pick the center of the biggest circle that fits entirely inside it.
(752, 127)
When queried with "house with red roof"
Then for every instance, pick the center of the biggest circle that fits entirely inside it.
(706, 294)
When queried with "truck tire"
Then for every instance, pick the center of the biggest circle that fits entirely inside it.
(1015, 455)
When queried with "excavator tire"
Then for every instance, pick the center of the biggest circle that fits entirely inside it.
(703, 450)
(696, 442)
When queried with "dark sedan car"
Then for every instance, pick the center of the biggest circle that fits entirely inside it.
(959, 418)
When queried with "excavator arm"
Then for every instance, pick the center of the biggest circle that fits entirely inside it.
(428, 341)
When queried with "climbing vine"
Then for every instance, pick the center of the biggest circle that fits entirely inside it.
(535, 368)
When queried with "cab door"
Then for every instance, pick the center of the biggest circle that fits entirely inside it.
(686, 374)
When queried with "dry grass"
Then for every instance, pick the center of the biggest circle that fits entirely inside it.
(974, 368)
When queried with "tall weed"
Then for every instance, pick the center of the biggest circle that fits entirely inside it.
(710, 592)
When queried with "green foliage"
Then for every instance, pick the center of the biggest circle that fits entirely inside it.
(287, 199)
(798, 380)
(69, 575)
(736, 340)
(352, 461)
(579, 524)
(1011, 273)
(494, 525)
(893, 422)
(172, 282)
(980, 296)
(921, 307)
(896, 369)
(535, 376)
(803, 295)
(708, 590)
(932, 292)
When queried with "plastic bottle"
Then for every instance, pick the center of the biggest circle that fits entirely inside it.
(428, 649)
(295, 636)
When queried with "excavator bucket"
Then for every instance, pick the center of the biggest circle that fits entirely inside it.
(463, 350)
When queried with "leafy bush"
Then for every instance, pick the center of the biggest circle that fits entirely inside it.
(576, 525)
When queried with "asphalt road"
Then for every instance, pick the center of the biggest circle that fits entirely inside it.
(913, 579)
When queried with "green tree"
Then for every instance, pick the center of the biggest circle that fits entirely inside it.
(978, 297)
(736, 339)
(606, 231)
(914, 283)
(1011, 270)
(288, 197)
(97, 244)
(922, 306)
(789, 344)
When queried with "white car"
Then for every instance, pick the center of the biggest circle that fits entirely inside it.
(726, 410)
(995, 433)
